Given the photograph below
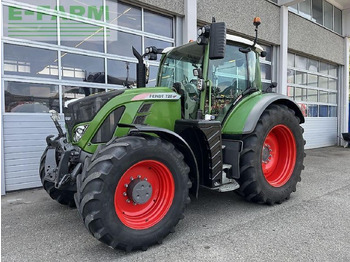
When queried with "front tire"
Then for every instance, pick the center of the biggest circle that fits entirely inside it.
(133, 192)
(272, 158)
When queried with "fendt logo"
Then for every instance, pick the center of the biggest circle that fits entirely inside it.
(43, 27)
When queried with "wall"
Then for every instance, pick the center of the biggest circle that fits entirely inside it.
(239, 15)
(312, 39)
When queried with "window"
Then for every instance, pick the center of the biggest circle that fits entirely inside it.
(85, 42)
(30, 61)
(81, 35)
(30, 97)
(313, 85)
(321, 12)
(83, 68)
(30, 25)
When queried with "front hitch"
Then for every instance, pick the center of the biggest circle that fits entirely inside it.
(62, 158)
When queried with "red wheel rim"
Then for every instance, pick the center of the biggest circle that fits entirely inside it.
(145, 215)
(278, 155)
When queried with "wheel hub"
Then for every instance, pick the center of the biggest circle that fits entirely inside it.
(139, 191)
(266, 154)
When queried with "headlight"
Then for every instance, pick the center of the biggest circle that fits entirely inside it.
(79, 132)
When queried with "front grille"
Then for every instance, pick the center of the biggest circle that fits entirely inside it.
(85, 109)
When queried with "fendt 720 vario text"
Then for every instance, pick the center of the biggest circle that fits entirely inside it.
(131, 157)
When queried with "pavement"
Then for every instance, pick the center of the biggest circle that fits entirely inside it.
(313, 225)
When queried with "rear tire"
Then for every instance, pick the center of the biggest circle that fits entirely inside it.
(63, 197)
(272, 157)
(106, 201)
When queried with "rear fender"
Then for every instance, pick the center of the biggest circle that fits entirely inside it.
(245, 116)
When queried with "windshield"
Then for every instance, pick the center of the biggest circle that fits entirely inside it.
(178, 65)
(230, 77)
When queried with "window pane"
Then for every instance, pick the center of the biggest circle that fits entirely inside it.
(290, 76)
(328, 15)
(290, 92)
(24, 24)
(153, 76)
(157, 43)
(123, 15)
(312, 95)
(317, 11)
(312, 80)
(81, 35)
(300, 78)
(74, 92)
(332, 111)
(300, 94)
(337, 20)
(291, 60)
(158, 24)
(265, 71)
(305, 8)
(294, 8)
(312, 110)
(323, 97)
(323, 68)
(332, 84)
(120, 43)
(312, 65)
(332, 98)
(333, 70)
(121, 72)
(83, 68)
(30, 61)
(92, 9)
(30, 98)
(323, 111)
(323, 82)
(300, 62)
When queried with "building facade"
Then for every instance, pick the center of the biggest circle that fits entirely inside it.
(57, 50)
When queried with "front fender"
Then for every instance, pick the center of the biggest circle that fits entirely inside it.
(245, 116)
(178, 142)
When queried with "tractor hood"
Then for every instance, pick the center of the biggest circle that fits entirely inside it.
(85, 109)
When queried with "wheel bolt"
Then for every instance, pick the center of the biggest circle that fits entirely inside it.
(134, 204)
(131, 178)
(124, 194)
(128, 201)
(126, 185)
(145, 179)
(139, 176)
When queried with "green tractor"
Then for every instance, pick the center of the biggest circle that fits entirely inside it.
(131, 157)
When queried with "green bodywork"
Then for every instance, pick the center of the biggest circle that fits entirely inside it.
(164, 113)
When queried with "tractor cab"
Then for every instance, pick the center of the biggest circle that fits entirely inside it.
(223, 81)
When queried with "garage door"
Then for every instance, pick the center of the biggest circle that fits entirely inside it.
(313, 84)
(24, 142)
(320, 132)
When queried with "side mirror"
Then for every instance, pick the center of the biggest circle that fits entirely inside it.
(217, 42)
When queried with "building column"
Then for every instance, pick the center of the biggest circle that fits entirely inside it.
(282, 78)
(190, 21)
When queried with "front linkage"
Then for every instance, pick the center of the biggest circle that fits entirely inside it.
(62, 159)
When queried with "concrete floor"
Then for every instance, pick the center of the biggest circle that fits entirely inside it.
(314, 225)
